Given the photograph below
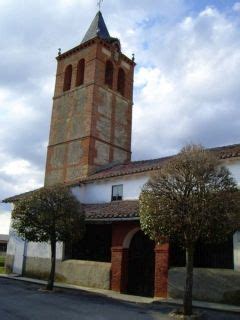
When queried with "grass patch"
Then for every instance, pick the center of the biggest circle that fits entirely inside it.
(2, 267)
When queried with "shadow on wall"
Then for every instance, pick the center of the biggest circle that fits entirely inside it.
(213, 285)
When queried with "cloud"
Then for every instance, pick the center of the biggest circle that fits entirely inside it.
(186, 79)
(236, 6)
(190, 92)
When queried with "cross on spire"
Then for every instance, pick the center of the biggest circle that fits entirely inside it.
(99, 4)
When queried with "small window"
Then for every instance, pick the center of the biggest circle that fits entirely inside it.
(80, 73)
(67, 78)
(117, 192)
(109, 74)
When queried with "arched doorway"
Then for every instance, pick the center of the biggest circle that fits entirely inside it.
(141, 264)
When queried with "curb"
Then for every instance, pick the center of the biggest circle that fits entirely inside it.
(155, 302)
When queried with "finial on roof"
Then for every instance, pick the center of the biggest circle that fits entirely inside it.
(133, 57)
(99, 4)
(59, 51)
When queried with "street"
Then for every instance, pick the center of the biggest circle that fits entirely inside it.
(23, 301)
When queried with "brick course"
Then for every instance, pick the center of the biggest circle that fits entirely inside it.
(95, 119)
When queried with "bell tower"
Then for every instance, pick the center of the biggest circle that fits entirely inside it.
(92, 107)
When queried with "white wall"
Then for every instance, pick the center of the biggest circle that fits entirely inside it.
(234, 168)
(32, 249)
(101, 191)
(43, 250)
(236, 250)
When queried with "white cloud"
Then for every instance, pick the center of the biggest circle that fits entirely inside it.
(190, 94)
(186, 81)
(236, 6)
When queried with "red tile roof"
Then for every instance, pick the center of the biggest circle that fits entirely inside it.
(134, 167)
(116, 210)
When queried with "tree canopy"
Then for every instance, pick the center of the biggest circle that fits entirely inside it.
(50, 214)
(193, 196)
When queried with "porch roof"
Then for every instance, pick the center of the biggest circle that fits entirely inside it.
(112, 211)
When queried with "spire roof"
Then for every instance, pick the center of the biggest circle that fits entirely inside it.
(97, 28)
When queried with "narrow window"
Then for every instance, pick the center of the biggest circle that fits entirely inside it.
(117, 192)
(109, 74)
(121, 81)
(80, 72)
(67, 78)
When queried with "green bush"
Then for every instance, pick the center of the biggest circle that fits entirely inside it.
(2, 261)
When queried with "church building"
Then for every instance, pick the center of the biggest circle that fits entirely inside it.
(90, 151)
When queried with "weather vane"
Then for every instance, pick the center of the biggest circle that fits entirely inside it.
(99, 3)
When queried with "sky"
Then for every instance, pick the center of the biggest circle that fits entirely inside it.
(186, 87)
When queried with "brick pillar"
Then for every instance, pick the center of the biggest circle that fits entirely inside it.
(161, 270)
(119, 269)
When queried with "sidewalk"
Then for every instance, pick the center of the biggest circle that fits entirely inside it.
(130, 298)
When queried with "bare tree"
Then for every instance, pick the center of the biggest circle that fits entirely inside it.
(192, 197)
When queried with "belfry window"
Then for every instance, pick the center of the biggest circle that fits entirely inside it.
(121, 81)
(67, 78)
(80, 72)
(109, 74)
(117, 192)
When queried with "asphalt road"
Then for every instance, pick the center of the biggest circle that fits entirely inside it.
(23, 301)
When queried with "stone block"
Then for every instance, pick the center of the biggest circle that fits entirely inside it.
(119, 155)
(75, 152)
(80, 100)
(121, 111)
(78, 127)
(104, 128)
(76, 172)
(57, 156)
(105, 102)
(102, 150)
(54, 177)
(120, 136)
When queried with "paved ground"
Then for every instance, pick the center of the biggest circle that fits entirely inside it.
(23, 301)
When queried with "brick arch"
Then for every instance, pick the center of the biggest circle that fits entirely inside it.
(122, 234)
(128, 238)
(80, 73)
(67, 78)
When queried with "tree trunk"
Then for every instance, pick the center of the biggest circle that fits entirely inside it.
(187, 302)
(53, 265)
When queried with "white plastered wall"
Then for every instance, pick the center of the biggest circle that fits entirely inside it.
(101, 191)
(236, 250)
(234, 166)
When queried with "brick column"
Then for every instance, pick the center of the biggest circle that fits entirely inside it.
(119, 269)
(161, 270)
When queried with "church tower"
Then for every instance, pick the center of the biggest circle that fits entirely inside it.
(92, 107)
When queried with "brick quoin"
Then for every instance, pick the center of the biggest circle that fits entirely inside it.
(98, 119)
(161, 270)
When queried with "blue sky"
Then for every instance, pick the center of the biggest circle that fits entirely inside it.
(186, 81)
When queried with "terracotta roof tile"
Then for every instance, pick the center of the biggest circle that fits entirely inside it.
(133, 167)
(113, 210)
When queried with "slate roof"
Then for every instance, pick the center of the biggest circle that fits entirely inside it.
(134, 167)
(97, 28)
(116, 210)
